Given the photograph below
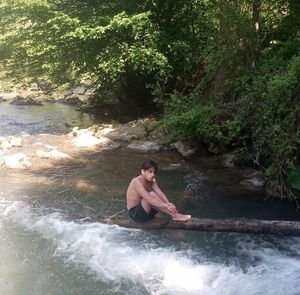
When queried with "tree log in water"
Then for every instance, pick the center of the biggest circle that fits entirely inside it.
(274, 227)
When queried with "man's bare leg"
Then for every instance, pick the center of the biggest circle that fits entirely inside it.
(175, 216)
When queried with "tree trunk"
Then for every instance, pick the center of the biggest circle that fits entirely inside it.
(274, 227)
(256, 11)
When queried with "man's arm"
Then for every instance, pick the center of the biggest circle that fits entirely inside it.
(155, 202)
(158, 191)
(162, 196)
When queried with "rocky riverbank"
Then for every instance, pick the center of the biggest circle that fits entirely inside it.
(28, 152)
(35, 152)
(76, 96)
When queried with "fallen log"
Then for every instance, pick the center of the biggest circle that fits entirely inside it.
(243, 225)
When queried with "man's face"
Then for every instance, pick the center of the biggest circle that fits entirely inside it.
(149, 174)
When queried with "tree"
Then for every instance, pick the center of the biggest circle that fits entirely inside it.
(224, 73)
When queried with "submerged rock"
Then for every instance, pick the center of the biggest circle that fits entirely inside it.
(185, 149)
(145, 146)
(227, 160)
(20, 100)
(2, 99)
(121, 135)
(16, 161)
(123, 132)
(72, 100)
(108, 144)
(54, 154)
(10, 141)
(111, 136)
(86, 138)
(254, 181)
(175, 167)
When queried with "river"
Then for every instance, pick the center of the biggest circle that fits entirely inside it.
(47, 247)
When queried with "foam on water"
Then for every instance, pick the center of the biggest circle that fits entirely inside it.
(132, 261)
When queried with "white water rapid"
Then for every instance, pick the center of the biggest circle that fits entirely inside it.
(44, 252)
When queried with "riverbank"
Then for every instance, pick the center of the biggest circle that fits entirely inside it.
(33, 152)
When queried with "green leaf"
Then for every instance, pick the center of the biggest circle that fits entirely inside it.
(293, 178)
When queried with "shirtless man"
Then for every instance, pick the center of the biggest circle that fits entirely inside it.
(143, 194)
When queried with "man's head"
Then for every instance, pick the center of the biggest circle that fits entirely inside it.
(149, 170)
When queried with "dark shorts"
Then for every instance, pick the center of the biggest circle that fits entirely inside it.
(138, 213)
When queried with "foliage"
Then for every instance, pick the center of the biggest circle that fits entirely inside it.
(221, 72)
(209, 122)
(294, 177)
(271, 108)
(256, 110)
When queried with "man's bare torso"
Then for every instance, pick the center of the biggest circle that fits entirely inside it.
(133, 197)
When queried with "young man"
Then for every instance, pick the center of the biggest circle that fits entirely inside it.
(144, 194)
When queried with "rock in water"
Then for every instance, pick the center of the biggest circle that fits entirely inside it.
(16, 161)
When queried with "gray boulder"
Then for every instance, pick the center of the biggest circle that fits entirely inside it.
(70, 100)
(253, 181)
(185, 149)
(24, 101)
(145, 146)
(2, 99)
(15, 161)
(10, 141)
(227, 160)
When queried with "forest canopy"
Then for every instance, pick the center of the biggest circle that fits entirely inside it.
(221, 73)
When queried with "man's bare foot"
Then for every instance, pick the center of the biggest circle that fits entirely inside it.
(181, 217)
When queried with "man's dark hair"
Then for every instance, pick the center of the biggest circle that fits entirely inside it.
(150, 164)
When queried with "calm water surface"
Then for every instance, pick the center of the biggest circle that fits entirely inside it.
(46, 248)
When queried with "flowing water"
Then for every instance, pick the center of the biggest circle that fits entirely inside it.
(47, 247)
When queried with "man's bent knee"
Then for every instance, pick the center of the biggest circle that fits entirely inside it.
(153, 194)
(146, 206)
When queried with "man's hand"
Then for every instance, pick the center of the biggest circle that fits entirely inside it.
(172, 208)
